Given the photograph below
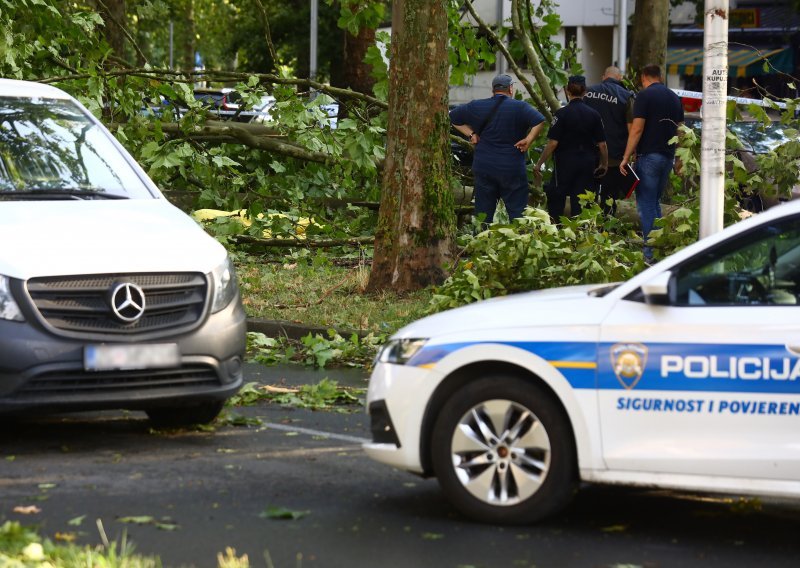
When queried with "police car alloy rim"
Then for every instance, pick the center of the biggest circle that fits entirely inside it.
(500, 452)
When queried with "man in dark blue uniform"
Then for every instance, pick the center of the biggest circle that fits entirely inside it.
(501, 130)
(657, 113)
(615, 104)
(575, 137)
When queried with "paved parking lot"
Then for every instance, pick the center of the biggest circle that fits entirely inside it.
(187, 495)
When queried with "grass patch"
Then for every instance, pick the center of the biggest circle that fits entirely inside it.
(323, 294)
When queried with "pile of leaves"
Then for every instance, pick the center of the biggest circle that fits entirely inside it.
(533, 253)
(315, 350)
(327, 394)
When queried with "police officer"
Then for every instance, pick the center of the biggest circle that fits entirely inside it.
(575, 137)
(502, 129)
(615, 104)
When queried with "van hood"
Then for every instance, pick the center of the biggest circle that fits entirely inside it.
(571, 305)
(57, 238)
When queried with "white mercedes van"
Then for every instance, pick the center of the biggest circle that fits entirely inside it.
(110, 297)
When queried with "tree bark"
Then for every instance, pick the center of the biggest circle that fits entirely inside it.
(113, 14)
(188, 47)
(414, 239)
(650, 29)
(356, 72)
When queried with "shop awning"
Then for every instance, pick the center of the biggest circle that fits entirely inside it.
(741, 62)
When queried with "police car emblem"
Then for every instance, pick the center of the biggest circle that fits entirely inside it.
(628, 361)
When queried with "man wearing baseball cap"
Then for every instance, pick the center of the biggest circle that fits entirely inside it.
(501, 129)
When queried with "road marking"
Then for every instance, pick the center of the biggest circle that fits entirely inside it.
(312, 432)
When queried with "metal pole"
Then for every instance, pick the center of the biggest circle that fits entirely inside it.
(623, 35)
(171, 43)
(715, 92)
(312, 60)
(501, 60)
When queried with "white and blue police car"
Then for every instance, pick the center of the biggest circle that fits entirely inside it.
(687, 376)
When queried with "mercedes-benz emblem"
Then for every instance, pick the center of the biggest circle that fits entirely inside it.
(127, 302)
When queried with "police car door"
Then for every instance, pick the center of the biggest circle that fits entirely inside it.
(709, 383)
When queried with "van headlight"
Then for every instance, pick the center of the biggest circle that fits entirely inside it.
(399, 351)
(224, 280)
(9, 309)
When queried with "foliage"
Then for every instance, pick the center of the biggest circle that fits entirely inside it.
(324, 395)
(22, 547)
(533, 253)
(315, 350)
(750, 179)
(153, 112)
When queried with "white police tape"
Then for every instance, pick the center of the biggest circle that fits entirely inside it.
(739, 100)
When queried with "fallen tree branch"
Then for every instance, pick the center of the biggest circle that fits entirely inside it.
(301, 243)
(537, 100)
(250, 135)
(213, 75)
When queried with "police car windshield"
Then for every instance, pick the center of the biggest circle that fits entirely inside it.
(50, 144)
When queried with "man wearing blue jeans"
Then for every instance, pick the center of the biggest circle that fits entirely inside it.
(501, 129)
(657, 113)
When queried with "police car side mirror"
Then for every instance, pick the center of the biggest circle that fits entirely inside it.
(656, 291)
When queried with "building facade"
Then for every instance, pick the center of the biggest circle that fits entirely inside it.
(762, 31)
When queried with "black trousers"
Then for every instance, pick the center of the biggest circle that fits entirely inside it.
(573, 175)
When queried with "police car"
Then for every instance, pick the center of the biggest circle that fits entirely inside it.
(686, 376)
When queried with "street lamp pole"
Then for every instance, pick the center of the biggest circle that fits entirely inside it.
(312, 60)
(623, 35)
(715, 92)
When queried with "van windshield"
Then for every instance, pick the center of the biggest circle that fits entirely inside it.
(50, 149)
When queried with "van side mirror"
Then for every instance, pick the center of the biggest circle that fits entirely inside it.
(656, 291)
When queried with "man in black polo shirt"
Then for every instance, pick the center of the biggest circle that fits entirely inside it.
(615, 104)
(502, 129)
(657, 112)
(575, 137)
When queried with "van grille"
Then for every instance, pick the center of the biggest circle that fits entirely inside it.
(85, 383)
(82, 304)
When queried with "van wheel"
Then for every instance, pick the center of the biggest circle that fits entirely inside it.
(503, 451)
(180, 416)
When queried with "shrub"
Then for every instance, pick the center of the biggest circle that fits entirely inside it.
(533, 252)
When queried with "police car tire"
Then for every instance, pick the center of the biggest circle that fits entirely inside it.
(560, 481)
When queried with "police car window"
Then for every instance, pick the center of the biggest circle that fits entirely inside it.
(760, 268)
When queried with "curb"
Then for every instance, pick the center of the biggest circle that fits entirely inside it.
(293, 330)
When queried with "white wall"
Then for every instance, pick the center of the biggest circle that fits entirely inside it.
(597, 33)
(597, 50)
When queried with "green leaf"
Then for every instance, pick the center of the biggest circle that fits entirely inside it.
(140, 520)
(282, 513)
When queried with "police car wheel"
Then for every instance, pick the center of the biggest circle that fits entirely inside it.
(503, 451)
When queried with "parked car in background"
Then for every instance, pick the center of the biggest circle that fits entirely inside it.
(756, 138)
(110, 297)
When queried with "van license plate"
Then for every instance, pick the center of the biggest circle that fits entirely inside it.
(124, 357)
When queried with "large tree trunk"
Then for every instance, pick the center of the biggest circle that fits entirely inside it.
(356, 72)
(188, 47)
(113, 14)
(650, 29)
(416, 223)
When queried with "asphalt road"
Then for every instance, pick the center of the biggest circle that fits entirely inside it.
(197, 493)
